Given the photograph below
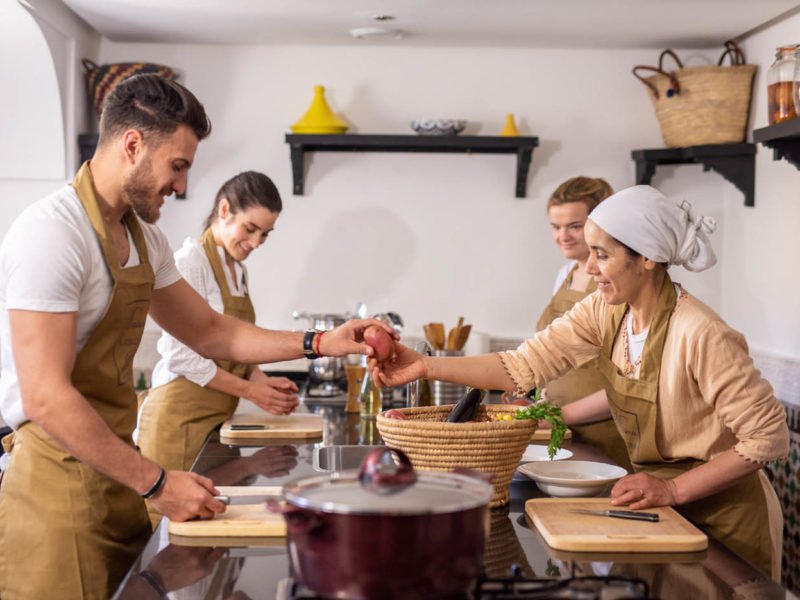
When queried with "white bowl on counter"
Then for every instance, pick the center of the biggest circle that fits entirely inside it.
(538, 453)
(573, 478)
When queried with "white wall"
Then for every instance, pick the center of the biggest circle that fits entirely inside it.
(435, 236)
(44, 105)
(429, 236)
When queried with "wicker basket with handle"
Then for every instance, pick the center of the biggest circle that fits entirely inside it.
(432, 444)
(701, 105)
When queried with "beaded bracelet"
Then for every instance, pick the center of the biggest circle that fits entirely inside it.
(162, 478)
(317, 342)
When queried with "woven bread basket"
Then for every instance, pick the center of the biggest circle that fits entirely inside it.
(432, 444)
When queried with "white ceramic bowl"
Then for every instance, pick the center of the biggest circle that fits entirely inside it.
(572, 479)
(438, 126)
(538, 453)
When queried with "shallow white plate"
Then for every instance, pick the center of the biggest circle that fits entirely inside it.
(573, 478)
(538, 453)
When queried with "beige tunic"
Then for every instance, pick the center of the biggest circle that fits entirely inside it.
(713, 399)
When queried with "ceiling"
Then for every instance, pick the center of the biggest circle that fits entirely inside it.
(498, 23)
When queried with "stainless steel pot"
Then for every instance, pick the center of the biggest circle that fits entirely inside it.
(387, 531)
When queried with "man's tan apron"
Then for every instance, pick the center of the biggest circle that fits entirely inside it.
(582, 381)
(67, 531)
(743, 516)
(177, 417)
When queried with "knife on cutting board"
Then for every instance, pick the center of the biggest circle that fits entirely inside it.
(620, 514)
(233, 495)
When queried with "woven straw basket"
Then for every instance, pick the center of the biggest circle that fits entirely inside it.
(712, 108)
(494, 447)
(701, 105)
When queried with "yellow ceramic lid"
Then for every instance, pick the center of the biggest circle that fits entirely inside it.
(319, 118)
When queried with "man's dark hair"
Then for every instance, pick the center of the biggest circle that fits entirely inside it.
(154, 106)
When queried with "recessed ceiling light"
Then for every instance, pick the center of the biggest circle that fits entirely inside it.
(363, 33)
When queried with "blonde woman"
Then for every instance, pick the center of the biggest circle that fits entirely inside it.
(567, 210)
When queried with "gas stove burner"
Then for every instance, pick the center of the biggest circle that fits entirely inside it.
(578, 588)
(521, 588)
(323, 390)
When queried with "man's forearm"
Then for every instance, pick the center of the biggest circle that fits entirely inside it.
(226, 382)
(589, 409)
(80, 430)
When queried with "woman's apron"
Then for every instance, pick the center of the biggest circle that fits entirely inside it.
(67, 531)
(737, 516)
(177, 417)
(582, 381)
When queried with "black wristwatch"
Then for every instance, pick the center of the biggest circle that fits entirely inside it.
(308, 344)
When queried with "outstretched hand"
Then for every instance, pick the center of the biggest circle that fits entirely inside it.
(406, 365)
(349, 338)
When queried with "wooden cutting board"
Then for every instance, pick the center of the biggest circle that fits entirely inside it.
(271, 426)
(239, 520)
(543, 435)
(566, 530)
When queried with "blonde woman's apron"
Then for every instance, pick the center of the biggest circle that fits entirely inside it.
(743, 516)
(582, 381)
(67, 531)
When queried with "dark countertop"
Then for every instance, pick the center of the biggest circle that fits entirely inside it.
(262, 571)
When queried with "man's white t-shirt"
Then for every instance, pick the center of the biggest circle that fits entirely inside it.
(52, 261)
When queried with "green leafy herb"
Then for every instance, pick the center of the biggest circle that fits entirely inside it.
(550, 413)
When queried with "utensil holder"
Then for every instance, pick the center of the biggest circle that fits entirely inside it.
(443, 392)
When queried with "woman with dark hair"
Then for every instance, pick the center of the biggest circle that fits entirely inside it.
(568, 210)
(698, 419)
(191, 394)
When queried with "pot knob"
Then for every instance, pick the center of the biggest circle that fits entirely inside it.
(382, 478)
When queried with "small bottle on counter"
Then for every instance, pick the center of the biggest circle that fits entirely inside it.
(370, 399)
(782, 85)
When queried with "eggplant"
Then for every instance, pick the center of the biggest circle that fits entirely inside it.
(465, 409)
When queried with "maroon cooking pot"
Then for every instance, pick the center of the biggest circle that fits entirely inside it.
(387, 531)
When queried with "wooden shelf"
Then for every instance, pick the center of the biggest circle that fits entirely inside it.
(735, 162)
(783, 138)
(87, 142)
(521, 146)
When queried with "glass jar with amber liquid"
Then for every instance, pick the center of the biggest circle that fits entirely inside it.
(370, 399)
(781, 85)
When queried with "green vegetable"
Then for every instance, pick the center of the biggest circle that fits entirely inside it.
(552, 414)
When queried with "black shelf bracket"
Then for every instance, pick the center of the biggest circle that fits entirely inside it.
(87, 142)
(300, 144)
(783, 138)
(735, 162)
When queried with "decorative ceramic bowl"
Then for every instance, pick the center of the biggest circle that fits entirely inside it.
(438, 126)
(572, 478)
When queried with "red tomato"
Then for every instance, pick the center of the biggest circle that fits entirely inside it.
(520, 402)
(381, 342)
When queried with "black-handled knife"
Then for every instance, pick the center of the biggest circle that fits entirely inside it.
(621, 514)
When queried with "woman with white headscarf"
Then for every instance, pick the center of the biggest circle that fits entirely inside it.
(698, 420)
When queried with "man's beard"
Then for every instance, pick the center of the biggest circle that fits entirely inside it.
(139, 191)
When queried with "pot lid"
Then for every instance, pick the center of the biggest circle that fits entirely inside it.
(390, 489)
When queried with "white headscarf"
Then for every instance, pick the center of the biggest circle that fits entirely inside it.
(648, 222)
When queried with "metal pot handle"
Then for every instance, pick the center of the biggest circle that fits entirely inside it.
(383, 479)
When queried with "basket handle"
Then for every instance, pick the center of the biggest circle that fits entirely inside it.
(676, 86)
(670, 53)
(88, 65)
(735, 53)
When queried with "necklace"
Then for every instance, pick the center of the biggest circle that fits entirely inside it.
(628, 368)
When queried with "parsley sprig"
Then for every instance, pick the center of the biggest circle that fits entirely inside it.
(550, 413)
